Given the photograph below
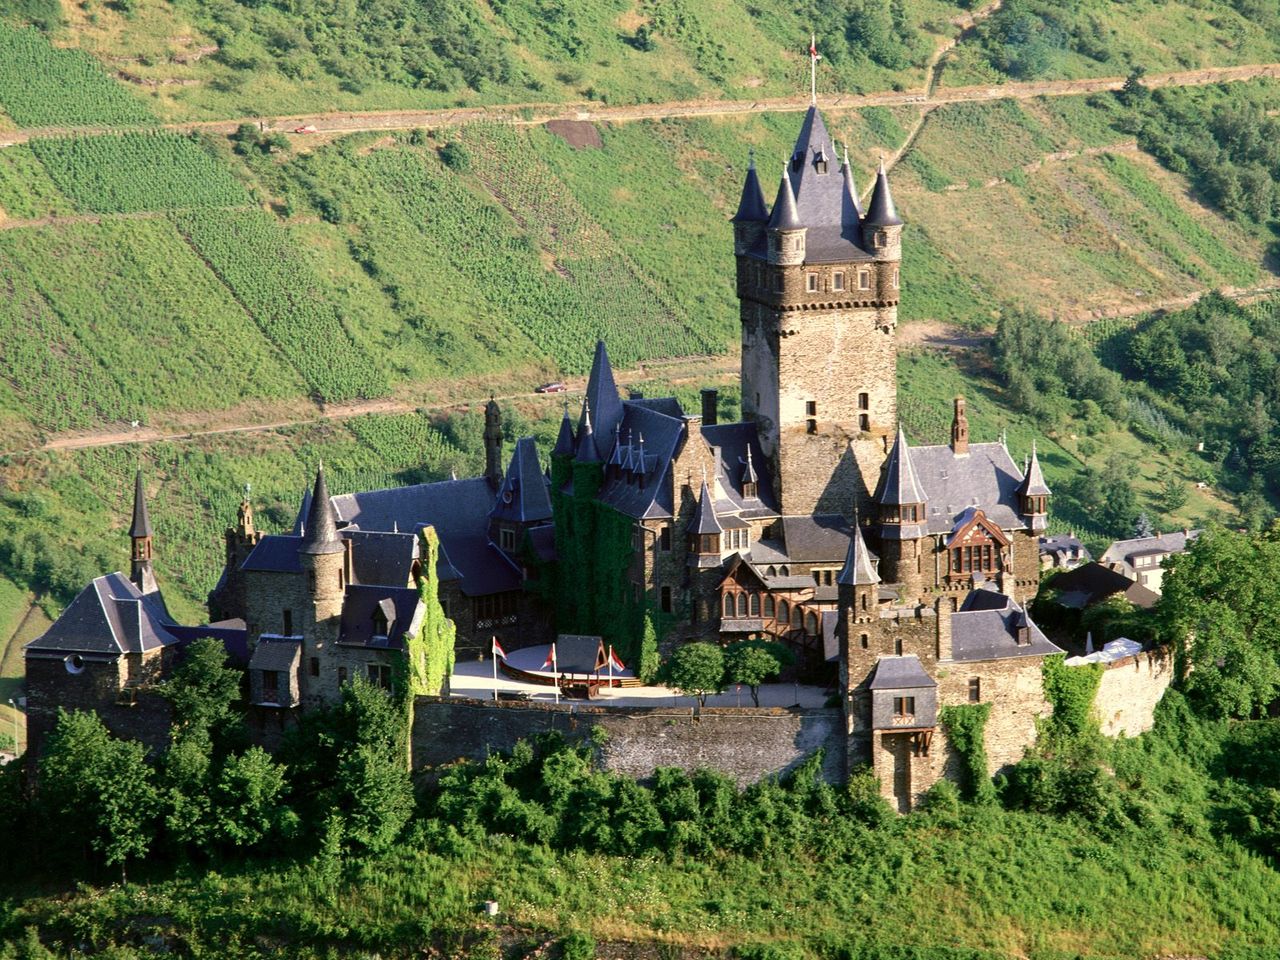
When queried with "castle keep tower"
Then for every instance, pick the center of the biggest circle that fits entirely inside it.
(818, 291)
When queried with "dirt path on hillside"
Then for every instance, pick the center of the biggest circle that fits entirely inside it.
(700, 369)
(538, 114)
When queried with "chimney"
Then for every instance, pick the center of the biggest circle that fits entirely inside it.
(960, 430)
(710, 403)
(943, 608)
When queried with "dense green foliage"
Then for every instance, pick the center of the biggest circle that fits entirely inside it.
(42, 86)
(1071, 691)
(138, 171)
(1220, 606)
(966, 724)
(96, 791)
(1212, 373)
(430, 652)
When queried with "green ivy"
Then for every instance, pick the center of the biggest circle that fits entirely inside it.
(966, 724)
(1071, 691)
(431, 648)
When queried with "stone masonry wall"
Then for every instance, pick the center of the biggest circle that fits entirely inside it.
(746, 744)
(1130, 690)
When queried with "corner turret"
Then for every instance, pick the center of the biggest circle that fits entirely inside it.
(752, 215)
(882, 227)
(140, 534)
(786, 232)
(1034, 493)
(493, 443)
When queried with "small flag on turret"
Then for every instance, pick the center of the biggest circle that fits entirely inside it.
(497, 649)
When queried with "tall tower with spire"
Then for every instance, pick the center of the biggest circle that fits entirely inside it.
(140, 535)
(818, 282)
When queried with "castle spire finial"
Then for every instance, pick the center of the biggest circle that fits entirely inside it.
(814, 57)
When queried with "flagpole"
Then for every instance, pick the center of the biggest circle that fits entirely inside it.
(493, 652)
(611, 666)
(813, 68)
(555, 673)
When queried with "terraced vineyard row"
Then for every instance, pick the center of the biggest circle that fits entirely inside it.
(138, 171)
(251, 254)
(43, 86)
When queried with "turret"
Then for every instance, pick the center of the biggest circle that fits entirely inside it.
(786, 232)
(322, 553)
(493, 443)
(752, 215)
(586, 437)
(140, 533)
(899, 497)
(1034, 493)
(858, 581)
(960, 430)
(750, 482)
(565, 443)
(882, 227)
(704, 531)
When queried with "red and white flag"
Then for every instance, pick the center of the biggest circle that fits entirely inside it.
(813, 47)
(497, 649)
(613, 659)
(551, 659)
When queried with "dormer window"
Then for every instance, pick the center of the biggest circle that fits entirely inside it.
(748, 490)
(820, 163)
(379, 623)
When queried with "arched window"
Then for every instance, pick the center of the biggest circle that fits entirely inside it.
(864, 601)
(811, 624)
(796, 614)
(742, 604)
(771, 572)
(768, 606)
(728, 605)
(755, 604)
(784, 571)
(784, 611)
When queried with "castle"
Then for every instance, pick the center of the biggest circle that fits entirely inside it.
(901, 572)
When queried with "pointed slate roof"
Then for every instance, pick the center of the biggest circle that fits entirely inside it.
(1033, 484)
(523, 496)
(704, 520)
(749, 470)
(858, 569)
(751, 208)
(141, 526)
(304, 510)
(587, 452)
(606, 404)
(564, 442)
(784, 216)
(321, 535)
(852, 206)
(881, 212)
(898, 484)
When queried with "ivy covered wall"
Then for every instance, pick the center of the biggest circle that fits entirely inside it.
(430, 650)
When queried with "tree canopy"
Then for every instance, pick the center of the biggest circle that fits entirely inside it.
(696, 670)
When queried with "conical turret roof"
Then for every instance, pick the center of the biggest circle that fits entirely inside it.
(1033, 484)
(564, 442)
(784, 215)
(751, 208)
(849, 200)
(587, 452)
(881, 212)
(141, 526)
(898, 484)
(749, 470)
(859, 569)
(704, 520)
(321, 533)
(606, 405)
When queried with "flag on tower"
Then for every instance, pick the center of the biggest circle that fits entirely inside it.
(497, 649)
(814, 57)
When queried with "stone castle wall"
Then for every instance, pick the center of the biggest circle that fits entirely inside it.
(1129, 691)
(746, 744)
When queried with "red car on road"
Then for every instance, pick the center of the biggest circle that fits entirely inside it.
(556, 387)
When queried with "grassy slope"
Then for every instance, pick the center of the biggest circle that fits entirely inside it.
(1013, 884)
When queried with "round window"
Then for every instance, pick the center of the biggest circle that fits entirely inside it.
(74, 663)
